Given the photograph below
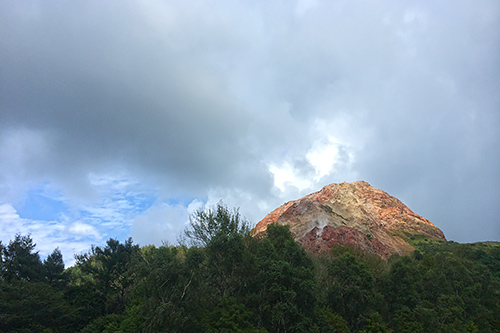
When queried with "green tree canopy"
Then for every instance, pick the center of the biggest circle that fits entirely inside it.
(207, 224)
(54, 267)
(20, 261)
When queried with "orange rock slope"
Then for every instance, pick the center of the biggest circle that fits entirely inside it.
(355, 214)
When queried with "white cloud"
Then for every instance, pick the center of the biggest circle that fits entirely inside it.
(252, 206)
(162, 223)
(116, 201)
(81, 229)
(287, 175)
(10, 221)
(47, 235)
(24, 154)
(322, 156)
(322, 160)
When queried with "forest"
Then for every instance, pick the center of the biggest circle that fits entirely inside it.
(221, 279)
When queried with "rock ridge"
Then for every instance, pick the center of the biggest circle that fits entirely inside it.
(355, 214)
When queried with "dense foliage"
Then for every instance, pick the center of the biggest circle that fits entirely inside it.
(232, 282)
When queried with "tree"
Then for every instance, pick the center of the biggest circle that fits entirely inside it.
(207, 224)
(19, 261)
(231, 317)
(221, 233)
(54, 267)
(106, 273)
(279, 282)
(375, 324)
(33, 307)
(27, 302)
(404, 284)
(170, 293)
(351, 292)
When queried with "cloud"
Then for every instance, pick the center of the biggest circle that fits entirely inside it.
(134, 110)
(319, 162)
(81, 230)
(74, 225)
(161, 224)
(71, 239)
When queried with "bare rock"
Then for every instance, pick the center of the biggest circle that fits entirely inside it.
(355, 214)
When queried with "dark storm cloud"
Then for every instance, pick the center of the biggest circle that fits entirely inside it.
(204, 99)
(105, 88)
(437, 130)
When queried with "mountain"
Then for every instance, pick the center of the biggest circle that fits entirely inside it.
(356, 214)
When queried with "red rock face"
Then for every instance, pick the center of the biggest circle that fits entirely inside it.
(355, 214)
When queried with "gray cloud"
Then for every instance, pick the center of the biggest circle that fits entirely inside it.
(200, 99)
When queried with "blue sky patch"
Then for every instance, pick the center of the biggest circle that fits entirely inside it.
(41, 204)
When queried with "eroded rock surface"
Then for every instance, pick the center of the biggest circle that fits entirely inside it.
(352, 213)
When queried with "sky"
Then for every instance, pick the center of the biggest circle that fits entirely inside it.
(120, 118)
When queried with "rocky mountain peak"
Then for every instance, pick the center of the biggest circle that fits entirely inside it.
(356, 214)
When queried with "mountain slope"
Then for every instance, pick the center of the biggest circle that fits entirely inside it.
(356, 214)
